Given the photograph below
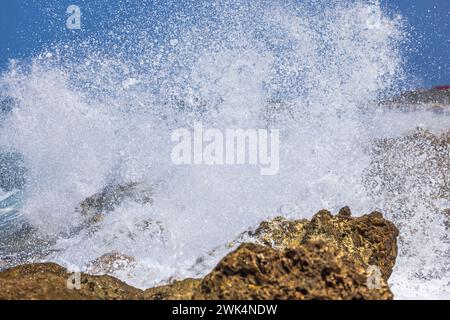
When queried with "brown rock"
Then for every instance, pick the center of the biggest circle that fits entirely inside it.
(435, 99)
(109, 263)
(315, 270)
(345, 212)
(94, 207)
(178, 290)
(369, 239)
(328, 257)
(48, 281)
(279, 232)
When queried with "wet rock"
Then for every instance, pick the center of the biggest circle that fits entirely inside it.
(12, 171)
(178, 290)
(110, 263)
(368, 240)
(94, 207)
(435, 99)
(49, 281)
(280, 232)
(327, 257)
(277, 233)
(345, 212)
(417, 155)
(314, 270)
(419, 164)
(446, 213)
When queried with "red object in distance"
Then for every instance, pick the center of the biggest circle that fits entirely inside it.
(441, 88)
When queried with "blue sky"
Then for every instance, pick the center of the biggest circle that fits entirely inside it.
(26, 26)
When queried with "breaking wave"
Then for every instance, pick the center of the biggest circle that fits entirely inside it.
(99, 112)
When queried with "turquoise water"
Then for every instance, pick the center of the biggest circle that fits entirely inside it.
(10, 216)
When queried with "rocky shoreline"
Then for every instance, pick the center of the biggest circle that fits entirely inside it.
(326, 257)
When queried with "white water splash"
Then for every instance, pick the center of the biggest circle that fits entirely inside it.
(84, 118)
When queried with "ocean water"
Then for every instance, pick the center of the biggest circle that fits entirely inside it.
(97, 112)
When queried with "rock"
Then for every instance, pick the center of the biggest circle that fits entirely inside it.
(345, 212)
(315, 270)
(12, 171)
(368, 240)
(446, 213)
(279, 232)
(417, 155)
(327, 257)
(48, 281)
(435, 99)
(110, 263)
(94, 207)
(178, 290)
(419, 164)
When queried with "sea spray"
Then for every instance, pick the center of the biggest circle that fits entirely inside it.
(101, 110)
